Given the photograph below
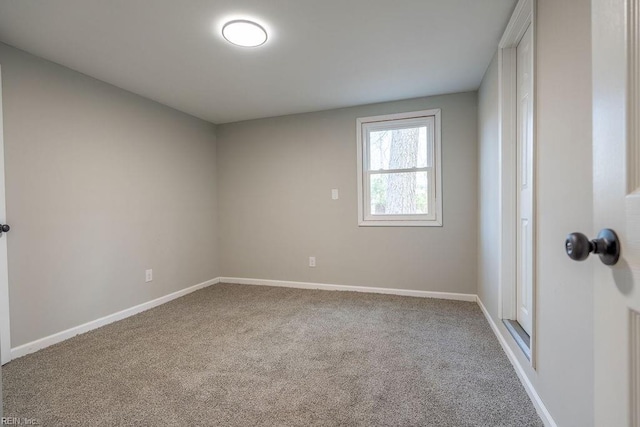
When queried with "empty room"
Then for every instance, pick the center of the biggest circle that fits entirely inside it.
(320, 213)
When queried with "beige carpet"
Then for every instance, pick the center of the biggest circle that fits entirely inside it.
(246, 355)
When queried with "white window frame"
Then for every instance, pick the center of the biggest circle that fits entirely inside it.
(399, 121)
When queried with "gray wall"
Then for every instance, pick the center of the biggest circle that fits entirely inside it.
(564, 374)
(488, 188)
(101, 184)
(275, 210)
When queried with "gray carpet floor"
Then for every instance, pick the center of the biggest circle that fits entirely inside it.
(248, 355)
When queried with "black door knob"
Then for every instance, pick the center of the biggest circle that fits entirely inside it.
(607, 245)
(5, 228)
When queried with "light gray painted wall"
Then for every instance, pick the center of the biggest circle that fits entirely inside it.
(101, 184)
(564, 374)
(488, 188)
(275, 210)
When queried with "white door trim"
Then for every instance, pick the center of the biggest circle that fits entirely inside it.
(5, 329)
(523, 17)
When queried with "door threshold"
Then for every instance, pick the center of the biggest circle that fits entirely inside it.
(520, 335)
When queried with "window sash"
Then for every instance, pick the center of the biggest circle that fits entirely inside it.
(431, 194)
(407, 170)
(388, 125)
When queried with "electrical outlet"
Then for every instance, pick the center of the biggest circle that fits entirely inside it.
(148, 275)
(334, 194)
(312, 261)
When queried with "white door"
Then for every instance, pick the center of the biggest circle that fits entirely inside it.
(524, 267)
(616, 172)
(5, 340)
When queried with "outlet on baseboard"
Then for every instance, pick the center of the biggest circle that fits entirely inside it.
(312, 261)
(148, 275)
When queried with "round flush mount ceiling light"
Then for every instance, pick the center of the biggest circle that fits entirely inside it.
(242, 32)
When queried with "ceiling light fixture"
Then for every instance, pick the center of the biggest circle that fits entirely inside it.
(244, 33)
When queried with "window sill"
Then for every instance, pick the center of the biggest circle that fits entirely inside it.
(383, 223)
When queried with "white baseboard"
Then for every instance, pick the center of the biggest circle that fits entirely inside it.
(41, 343)
(326, 287)
(531, 391)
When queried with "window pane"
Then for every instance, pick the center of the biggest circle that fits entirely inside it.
(399, 193)
(398, 148)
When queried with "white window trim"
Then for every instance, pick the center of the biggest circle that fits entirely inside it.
(401, 220)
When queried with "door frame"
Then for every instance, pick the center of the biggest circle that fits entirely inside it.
(5, 326)
(523, 16)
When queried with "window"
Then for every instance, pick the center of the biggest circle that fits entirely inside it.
(399, 173)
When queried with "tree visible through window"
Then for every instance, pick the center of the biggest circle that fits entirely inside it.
(399, 169)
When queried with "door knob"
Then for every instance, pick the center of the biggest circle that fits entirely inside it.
(607, 245)
(5, 227)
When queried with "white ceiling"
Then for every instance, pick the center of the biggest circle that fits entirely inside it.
(321, 54)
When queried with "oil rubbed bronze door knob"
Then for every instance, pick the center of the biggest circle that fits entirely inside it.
(606, 245)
